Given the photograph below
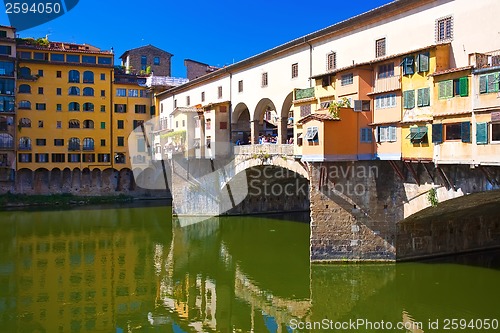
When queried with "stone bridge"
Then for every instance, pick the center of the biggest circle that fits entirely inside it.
(360, 211)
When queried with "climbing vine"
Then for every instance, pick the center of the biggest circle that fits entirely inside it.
(432, 197)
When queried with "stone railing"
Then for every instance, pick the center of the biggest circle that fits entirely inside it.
(266, 148)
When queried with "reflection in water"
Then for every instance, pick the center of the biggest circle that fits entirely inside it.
(134, 270)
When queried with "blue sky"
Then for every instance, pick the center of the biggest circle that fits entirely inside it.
(217, 32)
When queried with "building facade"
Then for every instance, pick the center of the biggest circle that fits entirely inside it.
(146, 60)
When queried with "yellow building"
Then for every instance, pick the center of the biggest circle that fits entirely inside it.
(64, 106)
(418, 98)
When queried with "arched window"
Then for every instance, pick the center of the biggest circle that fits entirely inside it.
(74, 106)
(25, 89)
(74, 123)
(74, 144)
(88, 144)
(88, 77)
(88, 107)
(88, 123)
(6, 141)
(24, 143)
(87, 91)
(74, 76)
(120, 158)
(25, 105)
(24, 122)
(75, 91)
(24, 73)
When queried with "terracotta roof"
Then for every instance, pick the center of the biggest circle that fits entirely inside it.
(451, 70)
(384, 122)
(60, 49)
(414, 121)
(317, 116)
(187, 109)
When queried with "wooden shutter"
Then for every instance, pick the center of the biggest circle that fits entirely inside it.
(423, 62)
(420, 97)
(408, 63)
(482, 133)
(410, 99)
(392, 134)
(483, 84)
(427, 97)
(437, 133)
(492, 83)
(358, 105)
(464, 86)
(442, 90)
(465, 131)
(377, 136)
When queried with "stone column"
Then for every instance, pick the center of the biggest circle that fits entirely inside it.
(254, 131)
(282, 130)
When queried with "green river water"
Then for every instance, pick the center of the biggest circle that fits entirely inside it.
(122, 269)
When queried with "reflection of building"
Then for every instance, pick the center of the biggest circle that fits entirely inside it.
(78, 279)
(7, 104)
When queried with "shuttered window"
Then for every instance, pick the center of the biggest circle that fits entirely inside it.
(423, 62)
(466, 135)
(423, 97)
(445, 89)
(409, 99)
(366, 135)
(437, 133)
(463, 84)
(482, 133)
(408, 63)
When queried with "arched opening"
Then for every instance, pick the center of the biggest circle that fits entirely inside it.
(88, 123)
(73, 106)
(74, 76)
(264, 122)
(74, 91)
(89, 107)
(24, 89)
(87, 91)
(241, 132)
(88, 77)
(73, 123)
(285, 123)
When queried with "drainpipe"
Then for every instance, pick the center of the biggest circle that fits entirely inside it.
(310, 61)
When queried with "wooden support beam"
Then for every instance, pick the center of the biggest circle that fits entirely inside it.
(445, 179)
(428, 171)
(487, 176)
(412, 171)
(397, 170)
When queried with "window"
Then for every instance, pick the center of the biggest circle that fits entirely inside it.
(103, 108)
(140, 123)
(140, 108)
(58, 142)
(386, 133)
(74, 76)
(103, 158)
(58, 124)
(40, 73)
(25, 89)
(103, 125)
(40, 124)
(362, 105)
(133, 93)
(103, 93)
(57, 57)
(121, 92)
(423, 62)
(144, 60)
(88, 77)
(409, 99)
(26, 105)
(188, 100)
(444, 29)
(366, 135)
(103, 142)
(346, 79)
(74, 91)
(385, 101)
(40, 56)
(5, 49)
(58, 158)
(418, 134)
(495, 132)
(295, 70)
(88, 59)
(223, 125)
(41, 142)
(121, 141)
(385, 70)
(312, 135)
(88, 123)
(202, 99)
(103, 76)
(88, 144)
(24, 143)
(423, 97)
(489, 83)
(120, 108)
(156, 61)
(208, 142)
(408, 65)
(74, 144)
(41, 106)
(219, 91)
(120, 124)
(73, 106)
(264, 81)
(104, 60)
(58, 91)
(450, 88)
(73, 123)
(24, 73)
(7, 68)
(482, 133)
(458, 131)
(208, 124)
(41, 158)
(331, 61)
(87, 91)
(25, 158)
(58, 107)
(143, 93)
(72, 58)
(240, 86)
(380, 47)
(58, 74)
(74, 158)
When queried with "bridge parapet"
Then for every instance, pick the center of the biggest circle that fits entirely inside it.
(264, 149)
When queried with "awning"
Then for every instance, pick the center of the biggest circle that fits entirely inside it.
(312, 133)
(417, 133)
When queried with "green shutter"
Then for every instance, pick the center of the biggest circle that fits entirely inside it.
(442, 90)
(482, 133)
(437, 133)
(408, 63)
(466, 132)
(427, 97)
(445, 89)
(492, 82)
(411, 99)
(423, 62)
(483, 84)
(420, 97)
(464, 86)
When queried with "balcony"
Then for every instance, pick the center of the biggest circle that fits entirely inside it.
(391, 83)
(6, 145)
